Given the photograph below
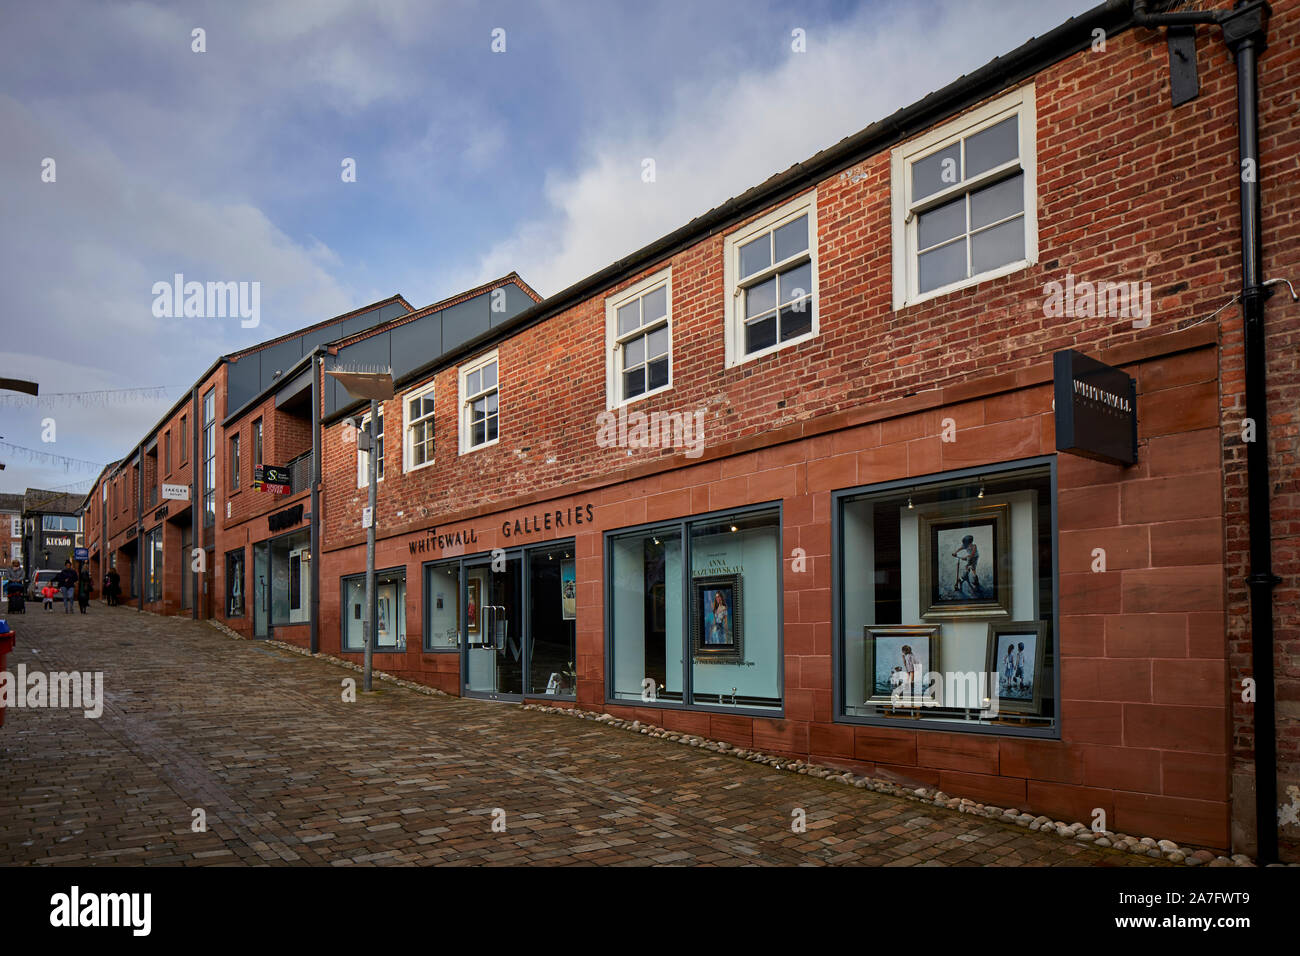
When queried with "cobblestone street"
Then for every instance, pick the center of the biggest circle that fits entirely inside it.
(260, 739)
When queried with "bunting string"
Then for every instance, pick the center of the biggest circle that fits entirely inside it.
(100, 398)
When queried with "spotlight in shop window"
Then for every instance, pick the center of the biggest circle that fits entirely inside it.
(909, 501)
(733, 527)
(981, 494)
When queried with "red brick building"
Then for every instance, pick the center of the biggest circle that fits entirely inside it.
(771, 476)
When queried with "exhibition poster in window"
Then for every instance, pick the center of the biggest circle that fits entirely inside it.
(568, 590)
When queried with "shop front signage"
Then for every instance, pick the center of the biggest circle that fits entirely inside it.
(284, 519)
(1096, 409)
(161, 513)
(432, 540)
(272, 478)
(80, 554)
(58, 541)
(175, 492)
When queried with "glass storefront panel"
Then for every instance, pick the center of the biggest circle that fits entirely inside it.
(946, 603)
(290, 578)
(261, 588)
(153, 567)
(735, 633)
(442, 606)
(235, 583)
(646, 616)
(552, 621)
(389, 611)
(494, 626)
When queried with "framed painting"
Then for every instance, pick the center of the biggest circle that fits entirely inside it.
(472, 604)
(965, 561)
(899, 658)
(717, 621)
(1016, 653)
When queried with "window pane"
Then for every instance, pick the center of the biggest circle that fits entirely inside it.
(940, 266)
(997, 201)
(490, 375)
(492, 428)
(791, 239)
(634, 382)
(478, 432)
(760, 334)
(735, 623)
(760, 298)
(796, 321)
(654, 305)
(646, 615)
(657, 342)
(629, 317)
(998, 246)
(941, 224)
(473, 383)
(414, 408)
(658, 373)
(993, 146)
(634, 352)
(492, 403)
(755, 255)
(796, 283)
(928, 175)
(442, 599)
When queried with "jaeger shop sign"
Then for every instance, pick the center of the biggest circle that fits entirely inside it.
(553, 521)
(1096, 409)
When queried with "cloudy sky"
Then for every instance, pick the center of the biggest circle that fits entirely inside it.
(226, 165)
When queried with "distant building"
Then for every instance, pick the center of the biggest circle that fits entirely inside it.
(51, 527)
(11, 527)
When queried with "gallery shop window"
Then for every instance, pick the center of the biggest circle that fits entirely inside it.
(418, 428)
(694, 614)
(210, 458)
(770, 272)
(442, 618)
(234, 462)
(478, 402)
(389, 611)
(964, 199)
(290, 566)
(153, 567)
(639, 339)
(946, 602)
(363, 457)
(235, 583)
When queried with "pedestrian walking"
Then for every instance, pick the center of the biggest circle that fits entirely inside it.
(114, 587)
(66, 582)
(83, 590)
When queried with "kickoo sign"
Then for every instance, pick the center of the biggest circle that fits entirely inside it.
(271, 478)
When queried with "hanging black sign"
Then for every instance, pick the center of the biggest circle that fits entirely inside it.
(1096, 409)
(284, 519)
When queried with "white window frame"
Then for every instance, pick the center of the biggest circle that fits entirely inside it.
(363, 457)
(408, 444)
(464, 401)
(614, 343)
(735, 321)
(903, 216)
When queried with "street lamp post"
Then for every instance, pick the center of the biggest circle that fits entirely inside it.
(377, 386)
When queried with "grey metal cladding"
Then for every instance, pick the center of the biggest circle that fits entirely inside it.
(391, 311)
(516, 300)
(280, 357)
(367, 352)
(358, 323)
(243, 379)
(415, 343)
(462, 322)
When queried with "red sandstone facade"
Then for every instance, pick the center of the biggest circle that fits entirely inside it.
(1150, 653)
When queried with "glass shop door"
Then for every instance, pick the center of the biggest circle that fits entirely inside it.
(493, 649)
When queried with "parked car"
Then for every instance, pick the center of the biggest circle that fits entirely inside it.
(39, 580)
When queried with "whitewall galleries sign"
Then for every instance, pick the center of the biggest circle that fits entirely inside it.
(1096, 409)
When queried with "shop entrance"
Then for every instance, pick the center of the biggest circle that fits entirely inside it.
(493, 659)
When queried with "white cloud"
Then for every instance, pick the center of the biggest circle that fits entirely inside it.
(722, 138)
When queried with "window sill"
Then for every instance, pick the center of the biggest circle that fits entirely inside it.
(1009, 269)
(413, 468)
(473, 448)
(773, 349)
(636, 398)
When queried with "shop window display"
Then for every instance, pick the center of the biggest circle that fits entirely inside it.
(722, 618)
(389, 611)
(946, 602)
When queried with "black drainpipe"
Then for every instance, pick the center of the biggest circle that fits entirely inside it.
(1245, 29)
(314, 604)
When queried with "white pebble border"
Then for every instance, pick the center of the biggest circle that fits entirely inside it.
(1119, 842)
